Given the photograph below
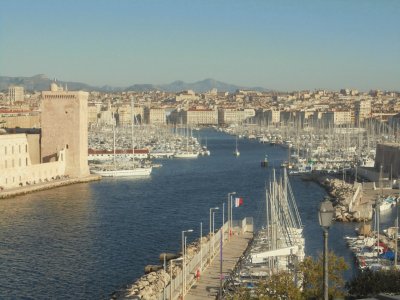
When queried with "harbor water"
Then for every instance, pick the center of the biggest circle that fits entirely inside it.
(85, 241)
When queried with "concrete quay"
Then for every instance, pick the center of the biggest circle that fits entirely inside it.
(45, 186)
(201, 256)
(207, 287)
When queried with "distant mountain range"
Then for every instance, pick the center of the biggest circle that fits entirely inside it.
(41, 83)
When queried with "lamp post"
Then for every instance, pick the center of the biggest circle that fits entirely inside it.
(396, 236)
(213, 231)
(184, 261)
(223, 220)
(201, 246)
(171, 290)
(211, 226)
(229, 213)
(325, 214)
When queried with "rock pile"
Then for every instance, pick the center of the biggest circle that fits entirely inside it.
(342, 194)
(151, 285)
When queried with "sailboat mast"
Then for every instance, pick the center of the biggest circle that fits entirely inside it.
(115, 167)
(132, 124)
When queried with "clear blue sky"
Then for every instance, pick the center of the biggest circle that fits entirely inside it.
(284, 45)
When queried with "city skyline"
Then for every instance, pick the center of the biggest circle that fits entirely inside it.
(281, 45)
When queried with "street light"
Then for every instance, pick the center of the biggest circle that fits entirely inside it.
(325, 214)
(171, 290)
(211, 226)
(211, 209)
(184, 261)
(213, 231)
(201, 246)
(230, 212)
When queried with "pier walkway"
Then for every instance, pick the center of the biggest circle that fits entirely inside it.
(203, 258)
(207, 287)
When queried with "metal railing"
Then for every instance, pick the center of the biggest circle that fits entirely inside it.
(208, 251)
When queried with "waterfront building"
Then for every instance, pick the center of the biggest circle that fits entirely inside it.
(124, 114)
(336, 118)
(362, 111)
(273, 116)
(302, 117)
(16, 94)
(234, 116)
(20, 161)
(270, 116)
(200, 116)
(65, 128)
(155, 115)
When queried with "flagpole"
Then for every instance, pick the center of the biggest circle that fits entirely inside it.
(229, 213)
(223, 220)
(231, 216)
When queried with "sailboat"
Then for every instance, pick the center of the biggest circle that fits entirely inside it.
(125, 170)
(205, 149)
(282, 238)
(187, 153)
(236, 152)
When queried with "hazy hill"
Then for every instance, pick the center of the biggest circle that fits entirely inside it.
(198, 86)
(42, 82)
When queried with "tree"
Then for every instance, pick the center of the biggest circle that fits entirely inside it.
(281, 286)
(241, 293)
(312, 281)
(369, 283)
(284, 285)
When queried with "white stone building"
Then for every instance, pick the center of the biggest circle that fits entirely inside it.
(16, 94)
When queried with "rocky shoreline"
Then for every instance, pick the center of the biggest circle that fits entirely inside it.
(152, 284)
(341, 194)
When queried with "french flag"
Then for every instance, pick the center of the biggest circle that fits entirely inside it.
(238, 202)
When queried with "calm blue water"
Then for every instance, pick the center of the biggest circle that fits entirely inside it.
(87, 240)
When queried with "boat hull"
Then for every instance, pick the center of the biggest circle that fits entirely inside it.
(123, 173)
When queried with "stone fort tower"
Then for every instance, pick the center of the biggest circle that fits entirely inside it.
(64, 126)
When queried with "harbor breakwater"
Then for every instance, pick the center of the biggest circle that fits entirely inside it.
(345, 199)
(176, 272)
(157, 280)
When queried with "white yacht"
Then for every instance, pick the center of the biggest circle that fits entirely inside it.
(129, 172)
(126, 169)
(186, 155)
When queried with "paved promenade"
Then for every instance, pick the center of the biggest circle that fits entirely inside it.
(208, 285)
(45, 186)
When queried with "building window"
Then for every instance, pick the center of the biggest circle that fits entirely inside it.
(19, 162)
(26, 148)
(26, 161)
(5, 150)
(12, 149)
(19, 148)
(12, 164)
